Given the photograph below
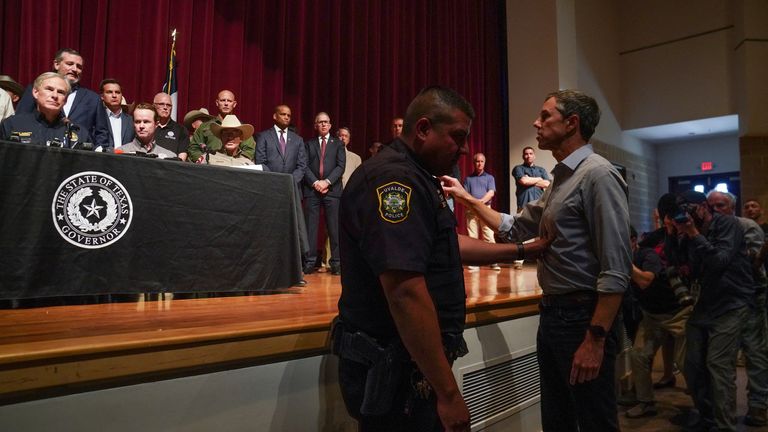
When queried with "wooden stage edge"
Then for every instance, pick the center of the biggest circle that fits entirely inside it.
(53, 351)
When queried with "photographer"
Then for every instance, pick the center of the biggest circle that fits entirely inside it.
(713, 246)
(753, 338)
(663, 314)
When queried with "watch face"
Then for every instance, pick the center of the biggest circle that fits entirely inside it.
(597, 331)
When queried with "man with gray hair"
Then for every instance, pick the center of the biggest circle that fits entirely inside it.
(46, 125)
(584, 272)
(755, 331)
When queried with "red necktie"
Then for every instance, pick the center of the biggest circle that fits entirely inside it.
(322, 156)
(282, 142)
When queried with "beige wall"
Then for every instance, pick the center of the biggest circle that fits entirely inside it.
(648, 63)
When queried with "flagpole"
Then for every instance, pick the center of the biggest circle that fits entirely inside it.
(170, 61)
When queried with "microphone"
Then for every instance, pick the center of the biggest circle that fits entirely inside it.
(69, 128)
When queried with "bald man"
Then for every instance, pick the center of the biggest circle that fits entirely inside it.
(204, 140)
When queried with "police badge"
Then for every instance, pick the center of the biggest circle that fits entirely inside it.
(394, 201)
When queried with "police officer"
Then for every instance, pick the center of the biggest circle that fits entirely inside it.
(402, 307)
(46, 124)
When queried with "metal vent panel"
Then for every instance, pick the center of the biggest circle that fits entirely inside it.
(498, 389)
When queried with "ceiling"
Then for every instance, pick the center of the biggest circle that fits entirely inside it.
(694, 129)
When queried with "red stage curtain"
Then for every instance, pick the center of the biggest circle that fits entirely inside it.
(360, 61)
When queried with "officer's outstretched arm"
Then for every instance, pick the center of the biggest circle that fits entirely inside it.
(416, 320)
(479, 252)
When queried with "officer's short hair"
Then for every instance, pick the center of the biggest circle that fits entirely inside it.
(147, 106)
(436, 103)
(60, 54)
(570, 102)
(48, 75)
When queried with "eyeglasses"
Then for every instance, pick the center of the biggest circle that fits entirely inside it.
(166, 105)
(322, 122)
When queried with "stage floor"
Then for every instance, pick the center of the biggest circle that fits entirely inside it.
(52, 350)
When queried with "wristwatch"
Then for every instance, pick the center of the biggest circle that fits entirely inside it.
(597, 331)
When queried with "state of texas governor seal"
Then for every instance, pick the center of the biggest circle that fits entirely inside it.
(91, 210)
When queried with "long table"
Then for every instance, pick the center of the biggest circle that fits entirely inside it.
(76, 223)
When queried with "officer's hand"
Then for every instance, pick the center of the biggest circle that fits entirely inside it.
(587, 360)
(535, 248)
(453, 187)
(454, 414)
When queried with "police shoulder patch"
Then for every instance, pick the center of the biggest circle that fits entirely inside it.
(394, 201)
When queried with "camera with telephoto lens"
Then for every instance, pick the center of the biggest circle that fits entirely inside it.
(680, 215)
(681, 290)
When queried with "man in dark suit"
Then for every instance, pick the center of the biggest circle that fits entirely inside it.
(82, 105)
(326, 160)
(115, 126)
(279, 149)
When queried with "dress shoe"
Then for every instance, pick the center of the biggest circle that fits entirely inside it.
(301, 283)
(755, 417)
(643, 409)
(335, 270)
(663, 383)
(309, 270)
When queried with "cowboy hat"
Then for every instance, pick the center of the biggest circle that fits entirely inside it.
(7, 83)
(193, 115)
(232, 122)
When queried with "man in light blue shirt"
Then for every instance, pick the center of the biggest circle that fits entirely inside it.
(482, 186)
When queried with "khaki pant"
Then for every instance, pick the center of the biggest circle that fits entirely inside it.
(653, 330)
(475, 224)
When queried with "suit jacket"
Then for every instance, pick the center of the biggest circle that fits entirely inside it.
(333, 165)
(84, 111)
(103, 137)
(268, 154)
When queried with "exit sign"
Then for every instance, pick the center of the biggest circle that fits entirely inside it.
(706, 166)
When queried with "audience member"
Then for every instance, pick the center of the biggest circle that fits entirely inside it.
(583, 273)
(145, 120)
(752, 210)
(396, 127)
(326, 160)
(754, 336)
(374, 148)
(12, 88)
(713, 247)
(194, 118)
(662, 316)
(353, 160)
(231, 133)
(115, 125)
(169, 134)
(6, 106)
(482, 186)
(531, 180)
(204, 141)
(45, 125)
(279, 149)
(82, 105)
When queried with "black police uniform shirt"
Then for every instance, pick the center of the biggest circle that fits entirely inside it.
(33, 128)
(173, 137)
(394, 216)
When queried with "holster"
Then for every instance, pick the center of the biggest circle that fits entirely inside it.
(385, 365)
